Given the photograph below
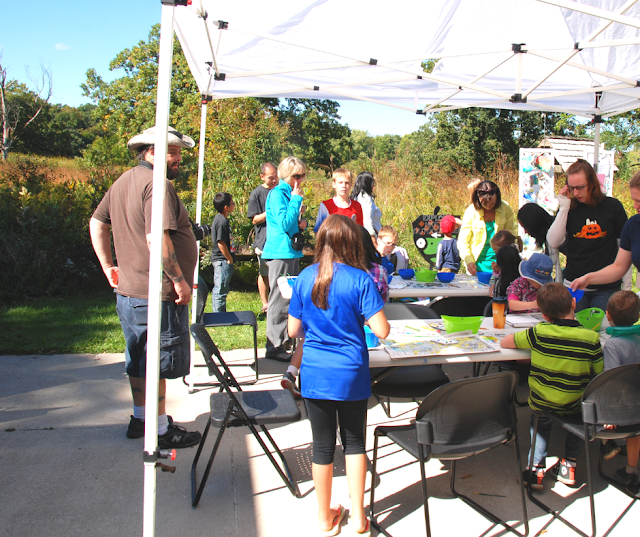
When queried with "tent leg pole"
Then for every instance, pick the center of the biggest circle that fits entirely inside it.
(596, 147)
(155, 270)
(196, 271)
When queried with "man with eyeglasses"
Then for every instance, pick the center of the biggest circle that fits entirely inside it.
(589, 224)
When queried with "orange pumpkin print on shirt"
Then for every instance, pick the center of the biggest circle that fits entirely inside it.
(591, 230)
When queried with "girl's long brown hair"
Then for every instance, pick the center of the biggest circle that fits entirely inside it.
(338, 241)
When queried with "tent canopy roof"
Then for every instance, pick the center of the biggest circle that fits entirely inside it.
(515, 54)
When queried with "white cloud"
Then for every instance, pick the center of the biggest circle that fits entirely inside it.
(62, 46)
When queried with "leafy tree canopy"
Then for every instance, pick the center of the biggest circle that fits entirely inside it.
(60, 130)
(476, 138)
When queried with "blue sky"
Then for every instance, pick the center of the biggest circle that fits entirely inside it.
(74, 35)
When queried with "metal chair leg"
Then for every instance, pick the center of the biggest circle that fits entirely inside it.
(195, 496)
(484, 512)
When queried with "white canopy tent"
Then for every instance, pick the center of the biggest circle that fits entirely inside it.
(582, 58)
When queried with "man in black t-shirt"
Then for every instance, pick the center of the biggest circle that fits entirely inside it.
(588, 227)
(258, 216)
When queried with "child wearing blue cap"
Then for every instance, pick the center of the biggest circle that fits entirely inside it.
(534, 273)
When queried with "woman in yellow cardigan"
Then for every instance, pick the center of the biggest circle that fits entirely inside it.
(486, 215)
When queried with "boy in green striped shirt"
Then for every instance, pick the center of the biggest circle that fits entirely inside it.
(564, 358)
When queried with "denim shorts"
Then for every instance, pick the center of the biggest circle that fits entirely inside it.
(175, 353)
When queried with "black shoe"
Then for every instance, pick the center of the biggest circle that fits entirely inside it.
(627, 479)
(278, 354)
(633, 489)
(610, 450)
(136, 427)
(178, 437)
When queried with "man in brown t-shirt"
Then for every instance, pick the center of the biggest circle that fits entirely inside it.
(125, 212)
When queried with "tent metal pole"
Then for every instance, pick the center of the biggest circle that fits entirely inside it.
(196, 271)
(155, 271)
(596, 147)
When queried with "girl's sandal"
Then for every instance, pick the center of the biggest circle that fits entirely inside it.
(367, 530)
(335, 526)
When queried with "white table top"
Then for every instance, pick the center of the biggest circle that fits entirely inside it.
(462, 285)
(378, 357)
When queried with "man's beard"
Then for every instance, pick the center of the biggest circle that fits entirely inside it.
(173, 172)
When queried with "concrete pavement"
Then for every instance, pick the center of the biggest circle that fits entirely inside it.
(68, 469)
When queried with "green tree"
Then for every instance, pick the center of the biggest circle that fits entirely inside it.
(386, 146)
(60, 130)
(476, 138)
(241, 133)
(312, 124)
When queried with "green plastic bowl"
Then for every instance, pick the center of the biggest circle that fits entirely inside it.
(426, 275)
(459, 324)
(591, 318)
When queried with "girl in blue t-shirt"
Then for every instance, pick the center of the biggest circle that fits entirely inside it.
(330, 302)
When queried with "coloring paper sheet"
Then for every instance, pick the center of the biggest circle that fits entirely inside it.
(427, 347)
(411, 338)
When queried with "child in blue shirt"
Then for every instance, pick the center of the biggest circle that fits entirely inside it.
(330, 302)
(447, 257)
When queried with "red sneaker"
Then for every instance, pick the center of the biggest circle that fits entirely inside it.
(538, 477)
(566, 471)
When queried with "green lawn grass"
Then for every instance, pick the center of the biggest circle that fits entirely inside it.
(89, 324)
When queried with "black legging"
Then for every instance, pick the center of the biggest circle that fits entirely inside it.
(352, 416)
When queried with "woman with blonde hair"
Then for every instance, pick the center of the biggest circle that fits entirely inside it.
(283, 222)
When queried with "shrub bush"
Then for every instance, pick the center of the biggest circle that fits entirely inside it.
(45, 248)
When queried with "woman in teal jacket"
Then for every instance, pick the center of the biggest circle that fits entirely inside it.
(283, 222)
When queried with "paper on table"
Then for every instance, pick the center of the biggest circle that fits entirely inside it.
(521, 320)
(428, 347)
(493, 337)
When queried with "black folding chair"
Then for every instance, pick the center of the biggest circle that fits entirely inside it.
(463, 418)
(219, 319)
(232, 407)
(612, 398)
(413, 382)
(460, 306)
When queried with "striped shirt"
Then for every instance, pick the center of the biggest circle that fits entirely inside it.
(564, 358)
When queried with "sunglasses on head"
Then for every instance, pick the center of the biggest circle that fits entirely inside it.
(486, 193)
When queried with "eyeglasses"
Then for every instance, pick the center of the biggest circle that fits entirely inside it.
(298, 176)
(576, 188)
(486, 193)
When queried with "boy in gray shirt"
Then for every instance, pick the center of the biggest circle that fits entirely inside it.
(623, 348)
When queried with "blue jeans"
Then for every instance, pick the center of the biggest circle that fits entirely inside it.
(571, 445)
(175, 354)
(595, 299)
(222, 271)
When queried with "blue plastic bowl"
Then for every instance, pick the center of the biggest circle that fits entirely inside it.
(484, 277)
(446, 277)
(407, 273)
(578, 294)
(371, 339)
